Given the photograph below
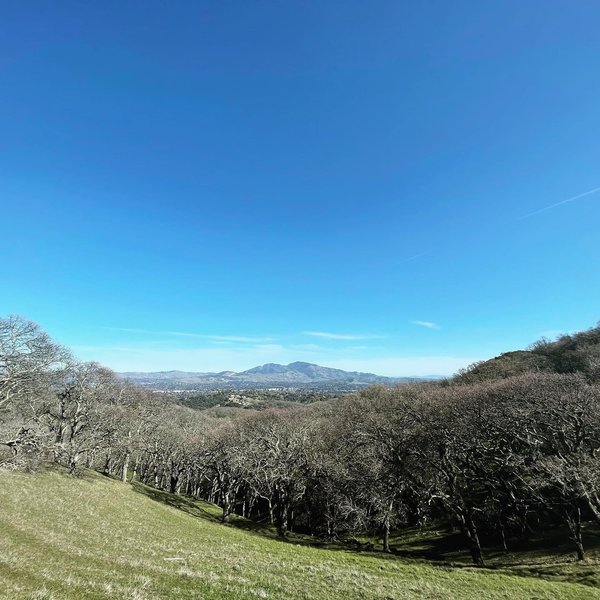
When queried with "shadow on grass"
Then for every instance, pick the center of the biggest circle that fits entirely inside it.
(204, 510)
(441, 547)
(548, 556)
(183, 503)
(209, 512)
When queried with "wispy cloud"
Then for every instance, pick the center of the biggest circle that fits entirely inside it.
(337, 336)
(269, 348)
(201, 336)
(309, 347)
(141, 358)
(238, 338)
(413, 257)
(399, 366)
(428, 324)
(551, 206)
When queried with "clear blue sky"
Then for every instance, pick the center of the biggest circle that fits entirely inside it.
(215, 185)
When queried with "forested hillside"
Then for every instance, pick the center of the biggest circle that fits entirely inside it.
(496, 455)
(576, 353)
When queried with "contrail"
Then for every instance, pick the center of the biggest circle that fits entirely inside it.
(541, 210)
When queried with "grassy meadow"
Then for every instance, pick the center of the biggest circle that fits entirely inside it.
(92, 537)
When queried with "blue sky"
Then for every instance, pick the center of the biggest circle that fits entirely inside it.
(383, 186)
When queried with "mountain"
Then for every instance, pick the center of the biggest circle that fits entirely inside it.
(296, 374)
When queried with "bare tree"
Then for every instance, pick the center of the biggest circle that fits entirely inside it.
(31, 365)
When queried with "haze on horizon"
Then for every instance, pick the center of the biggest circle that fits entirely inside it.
(396, 188)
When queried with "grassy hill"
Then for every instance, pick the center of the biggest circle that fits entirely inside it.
(576, 353)
(91, 537)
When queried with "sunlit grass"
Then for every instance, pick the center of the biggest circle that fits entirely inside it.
(67, 538)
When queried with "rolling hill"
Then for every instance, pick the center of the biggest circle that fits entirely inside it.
(66, 538)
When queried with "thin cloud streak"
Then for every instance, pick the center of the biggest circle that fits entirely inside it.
(427, 324)
(551, 206)
(238, 338)
(414, 257)
(203, 360)
(337, 336)
(217, 338)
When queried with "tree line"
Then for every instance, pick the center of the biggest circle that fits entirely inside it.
(495, 459)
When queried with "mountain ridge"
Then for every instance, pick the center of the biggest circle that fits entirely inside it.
(294, 374)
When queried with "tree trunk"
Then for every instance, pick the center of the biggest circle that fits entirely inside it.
(226, 507)
(386, 527)
(282, 519)
(144, 471)
(73, 458)
(125, 467)
(470, 532)
(502, 532)
(250, 507)
(573, 519)
(136, 465)
(386, 536)
(107, 463)
(271, 513)
(282, 514)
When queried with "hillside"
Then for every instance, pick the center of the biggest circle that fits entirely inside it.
(95, 538)
(569, 353)
(296, 374)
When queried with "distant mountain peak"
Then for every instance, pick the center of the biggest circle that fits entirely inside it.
(295, 374)
(266, 369)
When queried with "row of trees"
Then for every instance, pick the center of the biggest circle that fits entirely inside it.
(492, 458)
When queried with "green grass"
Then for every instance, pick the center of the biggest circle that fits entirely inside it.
(66, 538)
(548, 554)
